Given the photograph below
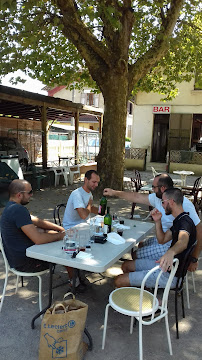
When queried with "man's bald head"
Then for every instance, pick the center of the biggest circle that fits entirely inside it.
(17, 186)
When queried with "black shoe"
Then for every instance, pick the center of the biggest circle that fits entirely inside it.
(148, 317)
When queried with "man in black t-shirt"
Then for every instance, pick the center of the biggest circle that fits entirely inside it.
(20, 230)
(183, 235)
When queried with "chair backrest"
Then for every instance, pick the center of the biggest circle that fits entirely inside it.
(136, 181)
(32, 167)
(197, 185)
(166, 289)
(4, 255)
(57, 213)
(182, 270)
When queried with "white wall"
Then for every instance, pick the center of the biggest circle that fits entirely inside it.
(142, 127)
(186, 96)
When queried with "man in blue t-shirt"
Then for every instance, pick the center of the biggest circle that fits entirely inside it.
(20, 230)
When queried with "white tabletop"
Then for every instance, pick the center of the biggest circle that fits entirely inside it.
(183, 172)
(104, 255)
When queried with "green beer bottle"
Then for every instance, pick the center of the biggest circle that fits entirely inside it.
(107, 222)
(102, 206)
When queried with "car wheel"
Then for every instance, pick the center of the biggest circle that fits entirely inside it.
(23, 165)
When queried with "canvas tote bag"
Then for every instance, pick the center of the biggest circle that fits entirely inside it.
(62, 330)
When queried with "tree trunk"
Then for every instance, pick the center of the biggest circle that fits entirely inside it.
(112, 152)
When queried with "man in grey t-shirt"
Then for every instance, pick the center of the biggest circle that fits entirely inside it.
(80, 202)
(78, 208)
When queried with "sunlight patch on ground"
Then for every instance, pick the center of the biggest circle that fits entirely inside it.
(114, 271)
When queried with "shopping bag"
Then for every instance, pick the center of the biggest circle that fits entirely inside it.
(62, 330)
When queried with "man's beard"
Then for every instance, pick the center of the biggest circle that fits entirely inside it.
(23, 202)
(159, 194)
(168, 210)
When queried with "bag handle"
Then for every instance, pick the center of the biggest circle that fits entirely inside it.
(57, 306)
(67, 294)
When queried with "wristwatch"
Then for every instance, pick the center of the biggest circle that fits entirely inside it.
(194, 259)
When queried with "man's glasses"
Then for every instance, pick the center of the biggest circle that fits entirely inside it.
(28, 192)
(162, 201)
(154, 187)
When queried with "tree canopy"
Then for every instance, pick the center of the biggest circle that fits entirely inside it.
(116, 47)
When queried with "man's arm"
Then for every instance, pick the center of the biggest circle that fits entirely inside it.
(84, 212)
(41, 238)
(197, 249)
(46, 225)
(135, 197)
(166, 260)
(161, 236)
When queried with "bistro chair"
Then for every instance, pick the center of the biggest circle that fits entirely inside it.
(57, 213)
(136, 185)
(138, 303)
(193, 193)
(19, 273)
(182, 271)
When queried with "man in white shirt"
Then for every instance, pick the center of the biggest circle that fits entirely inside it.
(80, 202)
(150, 248)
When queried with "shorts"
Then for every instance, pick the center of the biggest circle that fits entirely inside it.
(33, 265)
(142, 266)
(151, 249)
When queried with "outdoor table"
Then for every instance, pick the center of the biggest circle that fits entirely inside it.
(104, 255)
(183, 175)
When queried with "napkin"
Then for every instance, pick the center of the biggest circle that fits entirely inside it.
(115, 238)
(84, 255)
(121, 227)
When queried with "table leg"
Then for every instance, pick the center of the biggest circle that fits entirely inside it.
(75, 275)
(50, 296)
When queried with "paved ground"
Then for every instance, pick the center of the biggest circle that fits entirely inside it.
(19, 341)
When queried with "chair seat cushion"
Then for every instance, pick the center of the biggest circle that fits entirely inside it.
(127, 300)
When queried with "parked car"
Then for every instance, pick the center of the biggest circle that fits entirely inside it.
(11, 146)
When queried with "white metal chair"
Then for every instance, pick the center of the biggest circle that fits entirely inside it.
(187, 286)
(18, 273)
(138, 303)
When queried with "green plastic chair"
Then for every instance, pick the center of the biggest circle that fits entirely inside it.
(37, 175)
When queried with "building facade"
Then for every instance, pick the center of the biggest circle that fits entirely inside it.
(160, 126)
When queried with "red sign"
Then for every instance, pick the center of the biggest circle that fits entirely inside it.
(159, 109)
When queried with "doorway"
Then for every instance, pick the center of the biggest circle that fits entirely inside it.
(160, 137)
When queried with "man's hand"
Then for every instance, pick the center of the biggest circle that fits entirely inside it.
(90, 202)
(108, 192)
(156, 215)
(166, 261)
(193, 266)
